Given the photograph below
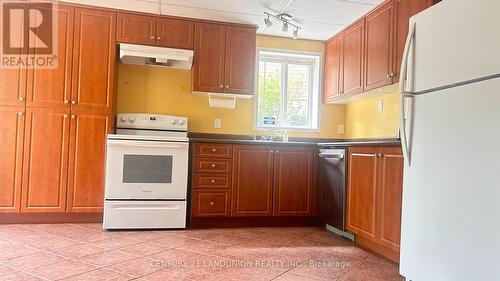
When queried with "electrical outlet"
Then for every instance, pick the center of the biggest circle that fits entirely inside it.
(380, 106)
(217, 123)
(341, 129)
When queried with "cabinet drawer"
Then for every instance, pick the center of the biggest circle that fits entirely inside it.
(211, 204)
(213, 165)
(211, 181)
(213, 150)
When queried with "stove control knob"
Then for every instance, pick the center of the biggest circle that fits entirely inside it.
(181, 122)
(131, 119)
(173, 122)
(123, 119)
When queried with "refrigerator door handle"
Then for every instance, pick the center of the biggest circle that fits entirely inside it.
(403, 75)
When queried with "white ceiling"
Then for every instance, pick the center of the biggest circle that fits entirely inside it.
(319, 19)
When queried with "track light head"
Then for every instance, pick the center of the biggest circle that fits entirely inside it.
(268, 22)
(296, 34)
(285, 26)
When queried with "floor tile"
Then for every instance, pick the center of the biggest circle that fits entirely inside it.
(373, 271)
(326, 267)
(33, 261)
(137, 267)
(114, 242)
(173, 258)
(108, 258)
(61, 270)
(79, 250)
(10, 252)
(101, 274)
(19, 276)
(203, 247)
(228, 239)
(175, 241)
(144, 249)
(287, 276)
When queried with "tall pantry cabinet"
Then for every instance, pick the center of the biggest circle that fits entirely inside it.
(55, 121)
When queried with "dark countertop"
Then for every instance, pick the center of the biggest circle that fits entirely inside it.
(247, 139)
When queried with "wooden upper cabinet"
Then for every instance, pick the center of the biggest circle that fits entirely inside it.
(333, 69)
(379, 45)
(87, 161)
(136, 29)
(354, 37)
(52, 87)
(253, 181)
(294, 177)
(45, 160)
(404, 10)
(390, 197)
(11, 153)
(93, 59)
(362, 191)
(240, 60)
(175, 33)
(209, 51)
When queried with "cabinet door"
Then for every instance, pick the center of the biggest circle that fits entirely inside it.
(252, 181)
(175, 33)
(362, 191)
(379, 47)
(52, 87)
(333, 69)
(211, 204)
(208, 65)
(94, 59)
(135, 29)
(87, 161)
(11, 153)
(45, 169)
(240, 60)
(294, 173)
(404, 10)
(354, 58)
(390, 197)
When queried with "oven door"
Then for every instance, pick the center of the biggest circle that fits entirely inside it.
(146, 169)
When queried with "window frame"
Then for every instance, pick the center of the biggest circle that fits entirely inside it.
(284, 90)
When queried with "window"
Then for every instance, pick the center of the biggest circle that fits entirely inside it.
(288, 91)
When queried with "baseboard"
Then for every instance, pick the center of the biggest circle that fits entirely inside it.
(252, 222)
(50, 218)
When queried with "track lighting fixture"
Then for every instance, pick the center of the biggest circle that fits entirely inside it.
(286, 21)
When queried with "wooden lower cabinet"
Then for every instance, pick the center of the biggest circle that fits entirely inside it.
(87, 161)
(253, 181)
(211, 203)
(374, 198)
(45, 160)
(11, 153)
(294, 178)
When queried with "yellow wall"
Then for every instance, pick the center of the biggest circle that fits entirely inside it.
(364, 121)
(168, 91)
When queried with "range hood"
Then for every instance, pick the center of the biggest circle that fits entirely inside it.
(155, 56)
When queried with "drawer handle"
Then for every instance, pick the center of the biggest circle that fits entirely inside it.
(214, 149)
(213, 165)
(212, 203)
(212, 181)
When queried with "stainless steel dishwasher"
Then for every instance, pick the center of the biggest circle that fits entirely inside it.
(332, 186)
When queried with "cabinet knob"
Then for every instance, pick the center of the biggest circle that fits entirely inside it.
(158, 38)
(212, 203)
(212, 181)
(227, 86)
(214, 149)
(20, 113)
(213, 165)
(73, 102)
(221, 86)
(152, 37)
(21, 98)
(65, 116)
(73, 116)
(390, 75)
(277, 151)
(66, 101)
(271, 151)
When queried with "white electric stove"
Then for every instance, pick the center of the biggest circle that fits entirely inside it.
(146, 172)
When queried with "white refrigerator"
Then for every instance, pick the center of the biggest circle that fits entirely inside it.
(450, 131)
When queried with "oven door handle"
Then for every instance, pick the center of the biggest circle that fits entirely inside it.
(154, 144)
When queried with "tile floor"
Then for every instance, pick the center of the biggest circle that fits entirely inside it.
(86, 252)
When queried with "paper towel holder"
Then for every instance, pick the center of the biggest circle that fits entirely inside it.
(218, 101)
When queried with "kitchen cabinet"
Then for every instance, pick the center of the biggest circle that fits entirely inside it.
(13, 87)
(52, 87)
(45, 160)
(404, 10)
(333, 69)
(224, 59)
(294, 176)
(159, 31)
(211, 203)
(253, 181)
(87, 153)
(353, 61)
(374, 198)
(94, 51)
(11, 153)
(379, 28)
